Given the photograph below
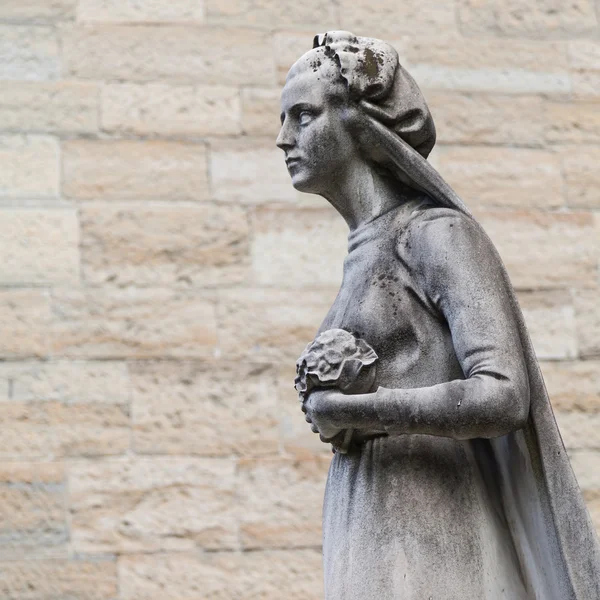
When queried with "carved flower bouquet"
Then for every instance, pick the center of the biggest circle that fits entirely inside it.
(336, 358)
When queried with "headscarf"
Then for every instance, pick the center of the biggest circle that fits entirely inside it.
(396, 117)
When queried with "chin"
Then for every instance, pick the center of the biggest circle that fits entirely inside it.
(305, 184)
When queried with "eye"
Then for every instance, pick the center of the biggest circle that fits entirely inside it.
(305, 117)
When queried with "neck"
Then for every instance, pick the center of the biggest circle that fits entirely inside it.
(364, 194)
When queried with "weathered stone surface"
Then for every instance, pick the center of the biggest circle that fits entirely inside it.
(168, 246)
(592, 498)
(25, 318)
(149, 11)
(475, 64)
(586, 465)
(493, 119)
(281, 501)
(580, 168)
(62, 106)
(223, 575)
(48, 429)
(28, 52)
(206, 409)
(38, 10)
(507, 177)
(573, 386)
(586, 85)
(284, 243)
(567, 123)
(259, 174)
(72, 382)
(540, 19)
(587, 312)
(260, 111)
(30, 166)
(59, 580)
(287, 47)
(132, 323)
(156, 108)
(170, 53)
(584, 54)
(544, 250)
(134, 169)
(269, 325)
(297, 437)
(33, 515)
(550, 319)
(579, 430)
(149, 505)
(39, 247)
(390, 18)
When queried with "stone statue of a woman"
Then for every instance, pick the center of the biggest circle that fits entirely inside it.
(455, 485)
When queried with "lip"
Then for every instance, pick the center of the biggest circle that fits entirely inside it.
(291, 161)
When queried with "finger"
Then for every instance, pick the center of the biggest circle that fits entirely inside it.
(314, 429)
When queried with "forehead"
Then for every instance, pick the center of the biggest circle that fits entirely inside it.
(311, 78)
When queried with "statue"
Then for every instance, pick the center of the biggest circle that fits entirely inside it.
(449, 479)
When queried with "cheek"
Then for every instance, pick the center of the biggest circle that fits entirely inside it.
(328, 143)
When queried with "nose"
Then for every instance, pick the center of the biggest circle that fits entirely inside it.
(286, 139)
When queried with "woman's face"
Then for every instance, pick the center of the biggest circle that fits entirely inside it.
(314, 134)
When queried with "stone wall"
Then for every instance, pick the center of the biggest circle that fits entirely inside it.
(159, 275)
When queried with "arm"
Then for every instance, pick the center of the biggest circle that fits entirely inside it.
(461, 273)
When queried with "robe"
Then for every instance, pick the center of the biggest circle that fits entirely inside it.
(428, 517)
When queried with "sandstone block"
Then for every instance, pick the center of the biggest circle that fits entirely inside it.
(260, 174)
(211, 56)
(260, 111)
(156, 108)
(30, 166)
(568, 123)
(493, 119)
(391, 17)
(541, 19)
(58, 580)
(62, 106)
(69, 382)
(33, 519)
(550, 320)
(284, 243)
(206, 409)
(586, 85)
(584, 54)
(153, 11)
(25, 318)
(509, 177)
(164, 246)
(573, 386)
(38, 10)
(39, 247)
(134, 169)
(587, 312)
(149, 505)
(28, 52)
(223, 575)
(544, 250)
(132, 323)
(580, 167)
(486, 65)
(579, 430)
(268, 14)
(288, 46)
(49, 429)
(586, 464)
(281, 501)
(268, 325)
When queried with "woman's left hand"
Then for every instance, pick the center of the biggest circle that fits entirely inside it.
(323, 410)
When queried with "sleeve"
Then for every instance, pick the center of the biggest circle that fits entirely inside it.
(462, 275)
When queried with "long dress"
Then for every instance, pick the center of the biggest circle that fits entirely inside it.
(424, 517)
